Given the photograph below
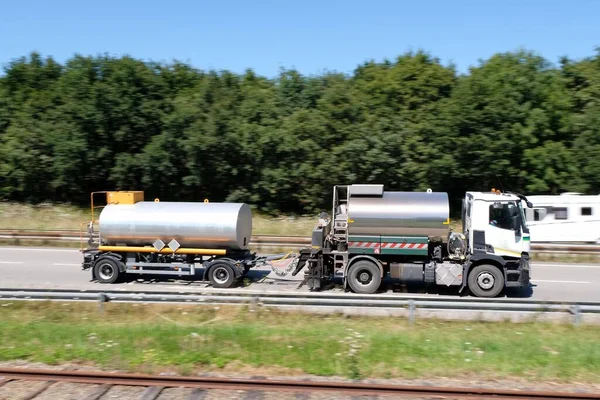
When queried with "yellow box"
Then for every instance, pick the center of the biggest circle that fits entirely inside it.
(124, 197)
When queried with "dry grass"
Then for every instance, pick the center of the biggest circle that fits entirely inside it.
(61, 216)
(283, 226)
(42, 216)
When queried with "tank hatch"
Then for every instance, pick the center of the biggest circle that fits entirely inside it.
(124, 197)
(366, 190)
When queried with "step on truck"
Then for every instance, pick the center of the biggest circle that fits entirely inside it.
(373, 233)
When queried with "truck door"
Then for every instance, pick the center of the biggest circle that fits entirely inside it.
(467, 206)
(504, 232)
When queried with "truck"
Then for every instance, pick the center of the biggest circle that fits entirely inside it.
(371, 234)
(374, 233)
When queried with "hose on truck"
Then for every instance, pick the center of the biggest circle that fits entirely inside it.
(285, 268)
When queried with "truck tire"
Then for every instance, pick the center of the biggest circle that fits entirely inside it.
(106, 270)
(486, 280)
(221, 275)
(364, 277)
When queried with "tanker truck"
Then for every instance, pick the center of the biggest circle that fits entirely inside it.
(373, 233)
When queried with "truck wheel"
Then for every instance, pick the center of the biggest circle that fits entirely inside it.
(364, 277)
(221, 275)
(106, 270)
(486, 281)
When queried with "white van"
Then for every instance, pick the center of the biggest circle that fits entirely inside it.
(568, 217)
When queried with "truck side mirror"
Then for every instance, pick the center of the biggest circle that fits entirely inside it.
(516, 226)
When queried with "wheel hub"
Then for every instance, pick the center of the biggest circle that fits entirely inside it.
(364, 277)
(106, 271)
(221, 275)
(485, 280)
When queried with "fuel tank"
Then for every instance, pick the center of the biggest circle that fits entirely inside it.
(400, 214)
(199, 225)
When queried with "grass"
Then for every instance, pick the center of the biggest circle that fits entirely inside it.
(47, 216)
(565, 258)
(192, 338)
(42, 216)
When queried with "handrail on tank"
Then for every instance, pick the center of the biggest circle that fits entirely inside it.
(93, 219)
(92, 207)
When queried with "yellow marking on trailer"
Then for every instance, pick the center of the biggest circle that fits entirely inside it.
(134, 249)
(350, 221)
(447, 221)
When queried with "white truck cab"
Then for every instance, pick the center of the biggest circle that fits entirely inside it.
(495, 223)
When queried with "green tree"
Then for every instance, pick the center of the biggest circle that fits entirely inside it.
(583, 80)
(411, 123)
(511, 103)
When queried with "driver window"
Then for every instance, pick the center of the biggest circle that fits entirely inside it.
(502, 215)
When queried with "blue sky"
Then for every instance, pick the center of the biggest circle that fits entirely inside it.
(311, 36)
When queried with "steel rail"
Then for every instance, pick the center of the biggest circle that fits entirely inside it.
(277, 241)
(300, 299)
(354, 388)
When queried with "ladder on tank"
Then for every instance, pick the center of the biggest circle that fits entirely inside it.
(340, 214)
(93, 235)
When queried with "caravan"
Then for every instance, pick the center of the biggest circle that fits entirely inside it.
(568, 217)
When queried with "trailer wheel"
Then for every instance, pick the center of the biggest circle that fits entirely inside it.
(106, 270)
(364, 277)
(486, 281)
(221, 275)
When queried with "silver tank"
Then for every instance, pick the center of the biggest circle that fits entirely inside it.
(200, 225)
(400, 214)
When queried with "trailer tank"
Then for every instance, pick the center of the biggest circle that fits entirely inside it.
(200, 225)
(373, 212)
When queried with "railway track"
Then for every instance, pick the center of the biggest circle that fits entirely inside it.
(276, 241)
(151, 387)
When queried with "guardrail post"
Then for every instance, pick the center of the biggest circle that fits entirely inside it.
(576, 311)
(411, 311)
(102, 298)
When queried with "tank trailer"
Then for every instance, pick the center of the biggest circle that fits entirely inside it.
(371, 234)
(169, 238)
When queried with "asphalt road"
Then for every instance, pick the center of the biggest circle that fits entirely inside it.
(44, 268)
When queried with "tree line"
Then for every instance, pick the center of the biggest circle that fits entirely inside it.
(179, 133)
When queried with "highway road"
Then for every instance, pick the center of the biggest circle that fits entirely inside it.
(45, 268)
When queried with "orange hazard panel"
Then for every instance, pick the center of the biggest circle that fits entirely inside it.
(124, 197)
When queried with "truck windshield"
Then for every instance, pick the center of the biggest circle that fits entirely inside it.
(506, 215)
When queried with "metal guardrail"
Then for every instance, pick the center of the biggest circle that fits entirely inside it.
(74, 236)
(322, 300)
(277, 241)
